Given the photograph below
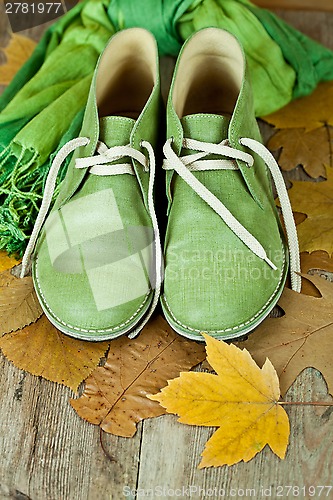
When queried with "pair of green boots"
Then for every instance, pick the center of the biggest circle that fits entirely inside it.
(97, 263)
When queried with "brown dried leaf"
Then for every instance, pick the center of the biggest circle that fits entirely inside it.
(312, 150)
(19, 305)
(42, 350)
(115, 394)
(310, 112)
(303, 337)
(17, 52)
(315, 199)
(6, 278)
(316, 263)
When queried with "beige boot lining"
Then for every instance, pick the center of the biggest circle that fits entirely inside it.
(126, 74)
(209, 75)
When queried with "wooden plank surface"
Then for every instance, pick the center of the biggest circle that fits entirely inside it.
(176, 450)
(48, 453)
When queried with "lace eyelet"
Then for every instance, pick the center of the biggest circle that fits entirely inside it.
(247, 164)
(146, 168)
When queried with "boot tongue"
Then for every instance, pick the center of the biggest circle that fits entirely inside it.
(115, 130)
(206, 127)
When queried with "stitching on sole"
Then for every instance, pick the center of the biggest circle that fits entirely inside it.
(82, 329)
(227, 330)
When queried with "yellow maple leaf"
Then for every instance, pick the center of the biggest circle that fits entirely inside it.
(242, 400)
(309, 112)
(17, 52)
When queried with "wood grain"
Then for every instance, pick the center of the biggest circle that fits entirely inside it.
(176, 449)
(324, 5)
(48, 452)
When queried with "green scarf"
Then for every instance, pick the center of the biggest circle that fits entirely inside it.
(43, 106)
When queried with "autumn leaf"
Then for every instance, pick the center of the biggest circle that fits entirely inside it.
(242, 400)
(303, 337)
(312, 150)
(19, 305)
(115, 394)
(42, 350)
(310, 112)
(6, 278)
(315, 199)
(17, 52)
(316, 263)
(6, 261)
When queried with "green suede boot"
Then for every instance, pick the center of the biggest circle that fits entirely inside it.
(226, 260)
(97, 261)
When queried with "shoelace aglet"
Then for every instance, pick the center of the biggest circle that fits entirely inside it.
(270, 263)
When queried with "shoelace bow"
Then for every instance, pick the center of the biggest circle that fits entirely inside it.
(184, 166)
(100, 165)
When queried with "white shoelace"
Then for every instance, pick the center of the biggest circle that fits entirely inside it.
(98, 165)
(185, 164)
